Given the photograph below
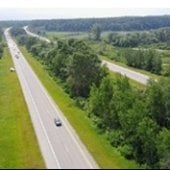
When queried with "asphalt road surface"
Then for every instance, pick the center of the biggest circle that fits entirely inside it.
(60, 146)
(141, 78)
(35, 35)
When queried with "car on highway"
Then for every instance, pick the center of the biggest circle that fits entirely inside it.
(12, 69)
(17, 56)
(57, 122)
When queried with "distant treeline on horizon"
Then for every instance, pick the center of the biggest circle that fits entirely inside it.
(107, 24)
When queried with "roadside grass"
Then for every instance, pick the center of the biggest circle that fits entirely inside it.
(77, 35)
(18, 143)
(105, 155)
(66, 35)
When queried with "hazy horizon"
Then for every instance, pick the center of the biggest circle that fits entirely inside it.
(57, 9)
(73, 13)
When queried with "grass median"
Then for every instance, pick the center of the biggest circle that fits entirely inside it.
(105, 155)
(18, 143)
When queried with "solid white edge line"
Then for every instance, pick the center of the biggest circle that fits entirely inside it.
(56, 108)
(68, 130)
(42, 125)
(26, 85)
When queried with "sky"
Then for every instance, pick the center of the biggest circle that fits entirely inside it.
(53, 9)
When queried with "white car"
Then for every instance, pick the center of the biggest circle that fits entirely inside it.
(12, 69)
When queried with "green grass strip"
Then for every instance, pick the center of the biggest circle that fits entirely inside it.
(105, 155)
(18, 143)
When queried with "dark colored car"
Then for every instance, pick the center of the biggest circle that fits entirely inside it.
(16, 56)
(57, 122)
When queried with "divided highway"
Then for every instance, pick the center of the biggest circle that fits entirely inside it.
(60, 146)
(141, 78)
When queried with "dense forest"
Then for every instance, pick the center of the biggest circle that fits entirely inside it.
(107, 24)
(139, 49)
(136, 122)
(12, 23)
(148, 60)
(134, 39)
(65, 60)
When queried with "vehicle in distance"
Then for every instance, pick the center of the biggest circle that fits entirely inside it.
(57, 122)
(16, 56)
(12, 69)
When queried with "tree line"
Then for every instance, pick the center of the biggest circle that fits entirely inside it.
(134, 39)
(13, 23)
(136, 122)
(107, 24)
(148, 60)
(145, 59)
(72, 61)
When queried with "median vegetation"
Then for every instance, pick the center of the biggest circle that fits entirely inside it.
(105, 155)
(18, 143)
(136, 122)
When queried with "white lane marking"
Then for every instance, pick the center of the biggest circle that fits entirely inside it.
(58, 110)
(49, 143)
(42, 125)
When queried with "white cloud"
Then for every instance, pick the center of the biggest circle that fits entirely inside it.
(84, 3)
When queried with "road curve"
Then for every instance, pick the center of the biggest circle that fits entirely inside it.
(35, 35)
(60, 146)
(141, 78)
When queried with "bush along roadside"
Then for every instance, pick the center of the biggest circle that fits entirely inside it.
(134, 121)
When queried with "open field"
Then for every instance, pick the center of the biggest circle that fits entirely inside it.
(66, 35)
(18, 144)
